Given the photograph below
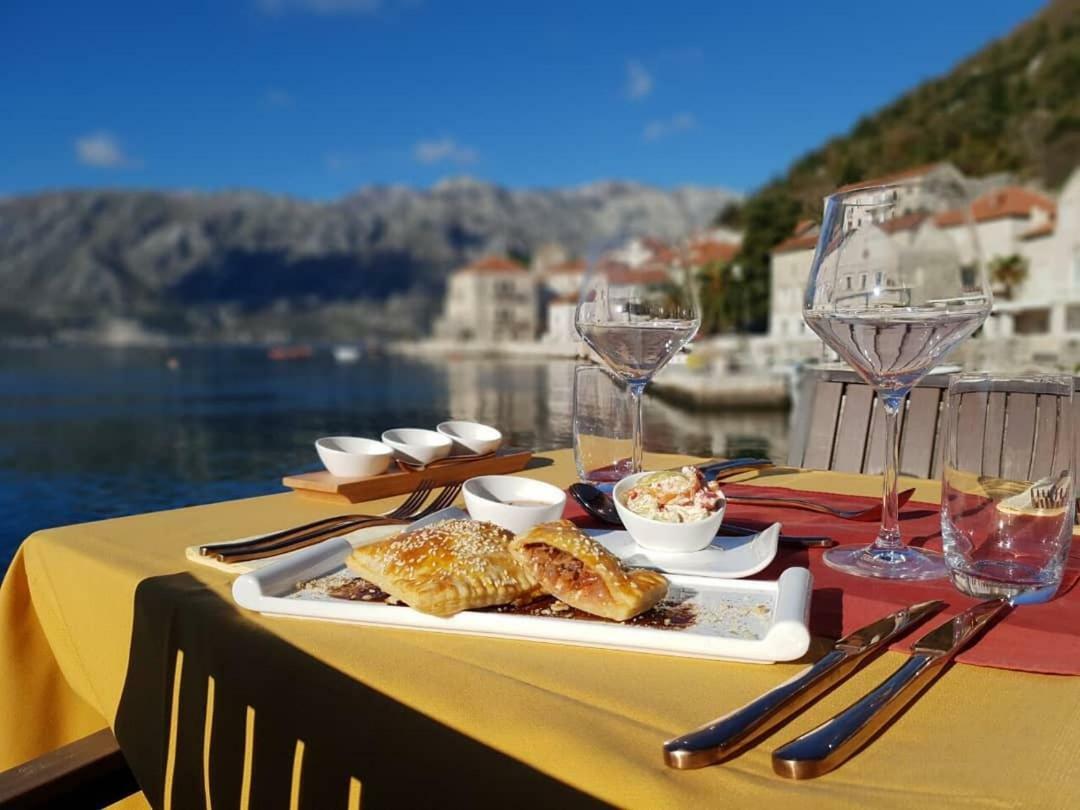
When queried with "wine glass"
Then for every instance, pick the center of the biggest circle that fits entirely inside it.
(897, 281)
(638, 307)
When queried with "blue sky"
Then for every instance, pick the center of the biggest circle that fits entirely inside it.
(318, 97)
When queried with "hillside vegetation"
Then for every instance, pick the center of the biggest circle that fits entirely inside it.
(1012, 107)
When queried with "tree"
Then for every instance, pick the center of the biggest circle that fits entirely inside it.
(770, 217)
(730, 216)
(1009, 271)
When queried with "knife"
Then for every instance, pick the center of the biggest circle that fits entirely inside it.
(727, 735)
(711, 469)
(832, 743)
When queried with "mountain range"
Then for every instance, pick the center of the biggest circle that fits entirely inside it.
(248, 264)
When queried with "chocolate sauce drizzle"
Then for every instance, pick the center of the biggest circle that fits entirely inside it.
(665, 616)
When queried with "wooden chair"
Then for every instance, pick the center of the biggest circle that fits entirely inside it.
(838, 424)
(90, 772)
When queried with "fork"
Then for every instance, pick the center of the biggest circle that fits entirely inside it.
(869, 514)
(302, 540)
(409, 508)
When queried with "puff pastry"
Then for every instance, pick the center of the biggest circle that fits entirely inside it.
(571, 566)
(447, 567)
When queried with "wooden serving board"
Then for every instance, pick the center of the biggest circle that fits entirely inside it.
(326, 487)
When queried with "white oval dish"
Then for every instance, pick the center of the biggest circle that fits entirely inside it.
(659, 535)
(471, 437)
(353, 457)
(416, 445)
(490, 497)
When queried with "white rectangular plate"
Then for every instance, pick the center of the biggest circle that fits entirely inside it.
(707, 617)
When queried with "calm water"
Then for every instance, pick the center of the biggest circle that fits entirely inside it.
(93, 433)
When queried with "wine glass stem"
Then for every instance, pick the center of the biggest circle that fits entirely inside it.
(889, 536)
(638, 435)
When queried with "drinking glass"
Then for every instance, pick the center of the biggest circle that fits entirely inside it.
(896, 282)
(602, 425)
(1007, 501)
(638, 307)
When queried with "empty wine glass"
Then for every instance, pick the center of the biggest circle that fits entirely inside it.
(897, 281)
(638, 307)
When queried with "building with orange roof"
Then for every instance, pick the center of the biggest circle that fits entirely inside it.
(490, 299)
(1007, 220)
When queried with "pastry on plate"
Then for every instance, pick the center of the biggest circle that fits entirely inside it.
(446, 567)
(571, 566)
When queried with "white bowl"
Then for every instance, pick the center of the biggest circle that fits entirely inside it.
(352, 457)
(417, 446)
(493, 498)
(471, 437)
(659, 535)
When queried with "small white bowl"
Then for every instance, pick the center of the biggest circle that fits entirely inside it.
(417, 446)
(471, 437)
(497, 498)
(659, 535)
(352, 457)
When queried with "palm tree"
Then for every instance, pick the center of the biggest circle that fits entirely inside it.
(1009, 271)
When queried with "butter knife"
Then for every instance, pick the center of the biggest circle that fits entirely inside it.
(834, 742)
(727, 735)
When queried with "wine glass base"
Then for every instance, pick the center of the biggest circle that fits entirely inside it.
(887, 563)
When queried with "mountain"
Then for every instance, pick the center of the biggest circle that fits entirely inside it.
(1012, 107)
(245, 263)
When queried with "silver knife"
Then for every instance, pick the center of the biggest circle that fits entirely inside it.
(832, 743)
(727, 735)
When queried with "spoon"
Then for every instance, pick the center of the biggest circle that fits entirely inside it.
(602, 507)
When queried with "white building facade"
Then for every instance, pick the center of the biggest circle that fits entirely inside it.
(490, 300)
(1043, 309)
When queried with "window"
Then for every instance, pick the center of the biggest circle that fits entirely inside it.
(967, 276)
(862, 281)
(879, 278)
(847, 282)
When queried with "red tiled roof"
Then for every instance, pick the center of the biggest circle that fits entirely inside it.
(793, 243)
(626, 275)
(1011, 201)
(906, 174)
(660, 250)
(710, 251)
(494, 264)
(803, 226)
(575, 266)
(907, 222)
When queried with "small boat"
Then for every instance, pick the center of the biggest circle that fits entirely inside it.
(346, 354)
(300, 352)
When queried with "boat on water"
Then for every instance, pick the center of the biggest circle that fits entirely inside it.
(346, 353)
(298, 352)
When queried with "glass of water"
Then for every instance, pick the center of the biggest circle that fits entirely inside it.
(603, 426)
(1007, 499)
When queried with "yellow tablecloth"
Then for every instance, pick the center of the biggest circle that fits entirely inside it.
(108, 623)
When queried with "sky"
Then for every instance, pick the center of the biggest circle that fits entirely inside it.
(315, 98)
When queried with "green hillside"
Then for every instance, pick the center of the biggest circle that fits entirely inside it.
(1014, 106)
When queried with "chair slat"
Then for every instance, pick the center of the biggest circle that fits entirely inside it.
(874, 462)
(970, 425)
(826, 409)
(851, 429)
(1019, 436)
(993, 433)
(920, 428)
(1046, 437)
(90, 772)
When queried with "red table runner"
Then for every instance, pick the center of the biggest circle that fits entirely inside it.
(1034, 638)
